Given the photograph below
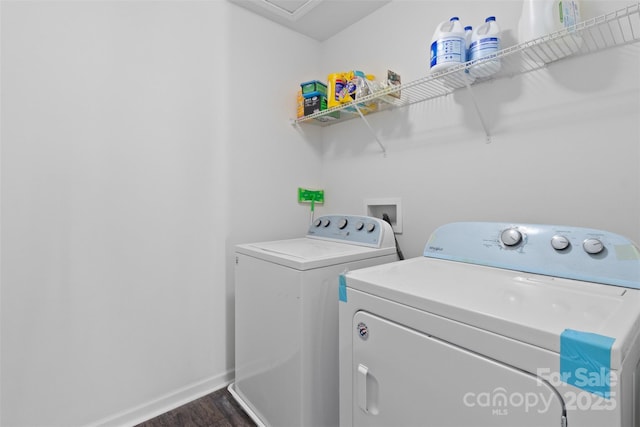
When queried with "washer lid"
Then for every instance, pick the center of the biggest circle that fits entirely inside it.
(307, 253)
(531, 308)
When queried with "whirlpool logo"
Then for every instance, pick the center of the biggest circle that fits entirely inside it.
(435, 248)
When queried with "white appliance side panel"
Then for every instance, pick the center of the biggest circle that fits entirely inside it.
(629, 379)
(268, 330)
(319, 337)
(287, 340)
(636, 396)
(403, 377)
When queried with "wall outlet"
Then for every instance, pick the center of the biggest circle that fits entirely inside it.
(390, 206)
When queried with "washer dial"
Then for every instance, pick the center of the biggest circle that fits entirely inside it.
(370, 227)
(511, 237)
(326, 222)
(560, 242)
(592, 246)
(317, 222)
(359, 225)
(342, 223)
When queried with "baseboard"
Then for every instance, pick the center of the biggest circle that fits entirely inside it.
(247, 409)
(151, 409)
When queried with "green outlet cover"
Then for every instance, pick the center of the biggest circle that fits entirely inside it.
(306, 195)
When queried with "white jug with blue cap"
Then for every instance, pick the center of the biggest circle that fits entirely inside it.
(485, 42)
(448, 46)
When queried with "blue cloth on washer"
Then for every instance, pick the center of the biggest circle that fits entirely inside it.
(342, 288)
(585, 361)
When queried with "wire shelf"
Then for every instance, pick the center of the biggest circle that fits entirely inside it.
(609, 30)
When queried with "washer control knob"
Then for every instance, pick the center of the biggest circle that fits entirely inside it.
(317, 222)
(359, 225)
(511, 237)
(560, 242)
(592, 246)
(326, 222)
(342, 223)
(370, 227)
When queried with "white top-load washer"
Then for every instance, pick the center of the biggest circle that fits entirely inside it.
(496, 325)
(286, 306)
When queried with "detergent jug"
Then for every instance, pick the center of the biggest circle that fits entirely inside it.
(541, 17)
(448, 46)
(485, 41)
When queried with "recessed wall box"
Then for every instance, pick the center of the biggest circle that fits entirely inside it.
(390, 206)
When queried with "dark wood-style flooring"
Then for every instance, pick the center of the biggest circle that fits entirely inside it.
(218, 409)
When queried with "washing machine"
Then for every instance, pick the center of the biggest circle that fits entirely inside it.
(497, 324)
(286, 305)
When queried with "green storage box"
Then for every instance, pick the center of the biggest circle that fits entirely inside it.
(313, 88)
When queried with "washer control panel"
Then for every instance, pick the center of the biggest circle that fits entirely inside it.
(570, 252)
(360, 230)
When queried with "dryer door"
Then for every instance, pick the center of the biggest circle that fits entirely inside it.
(402, 377)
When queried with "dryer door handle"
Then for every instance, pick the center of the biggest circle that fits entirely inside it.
(361, 381)
(366, 390)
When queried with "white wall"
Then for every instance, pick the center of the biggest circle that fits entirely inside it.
(565, 145)
(140, 142)
(113, 133)
(269, 158)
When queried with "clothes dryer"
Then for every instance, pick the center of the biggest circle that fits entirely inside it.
(496, 325)
(287, 317)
